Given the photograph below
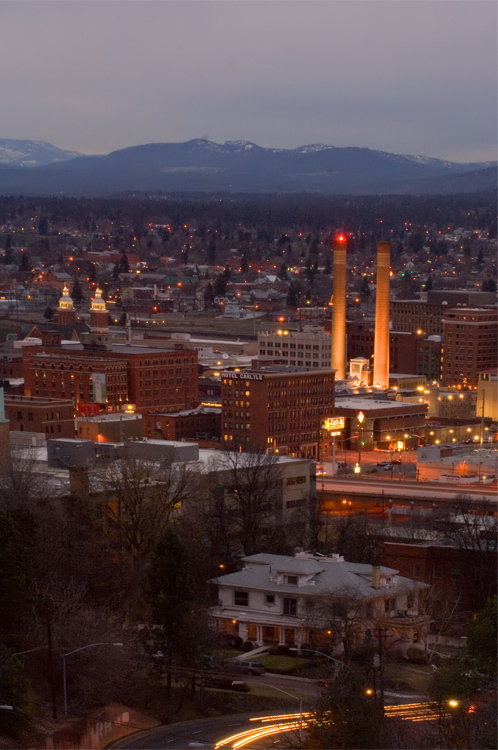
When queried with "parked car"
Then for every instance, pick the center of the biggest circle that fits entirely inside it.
(248, 667)
(387, 467)
(383, 463)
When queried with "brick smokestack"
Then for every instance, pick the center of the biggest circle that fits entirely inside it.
(338, 361)
(381, 341)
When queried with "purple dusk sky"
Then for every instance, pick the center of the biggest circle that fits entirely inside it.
(407, 76)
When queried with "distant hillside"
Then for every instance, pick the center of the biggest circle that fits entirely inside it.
(31, 153)
(240, 166)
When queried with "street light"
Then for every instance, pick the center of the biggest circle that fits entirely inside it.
(360, 417)
(320, 653)
(300, 705)
(64, 685)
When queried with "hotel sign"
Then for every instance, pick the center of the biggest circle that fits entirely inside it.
(241, 375)
(334, 423)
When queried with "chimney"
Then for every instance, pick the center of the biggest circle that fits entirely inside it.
(376, 576)
(381, 340)
(338, 333)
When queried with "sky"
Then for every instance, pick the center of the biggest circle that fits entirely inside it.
(405, 76)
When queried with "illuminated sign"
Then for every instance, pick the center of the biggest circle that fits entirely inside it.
(242, 375)
(334, 423)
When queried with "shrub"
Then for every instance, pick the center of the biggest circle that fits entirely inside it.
(416, 655)
(248, 646)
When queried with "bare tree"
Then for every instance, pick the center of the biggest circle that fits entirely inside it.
(468, 524)
(23, 484)
(140, 498)
(246, 498)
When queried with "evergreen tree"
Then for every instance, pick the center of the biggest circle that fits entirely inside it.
(24, 267)
(177, 627)
(49, 313)
(77, 292)
(349, 716)
(220, 285)
(7, 258)
(123, 263)
(211, 252)
(293, 296)
(43, 226)
(208, 296)
(282, 274)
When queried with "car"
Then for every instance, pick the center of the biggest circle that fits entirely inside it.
(396, 461)
(324, 683)
(387, 467)
(383, 463)
(249, 667)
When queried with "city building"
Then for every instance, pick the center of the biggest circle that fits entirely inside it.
(470, 337)
(408, 352)
(202, 423)
(427, 315)
(277, 409)
(460, 578)
(50, 416)
(99, 376)
(487, 394)
(388, 425)
(310, 347)
(110, 428)
(279, 599)
(114, 379)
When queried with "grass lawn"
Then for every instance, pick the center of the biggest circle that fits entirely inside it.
(281, 663)
(267, 691)
(417, 677)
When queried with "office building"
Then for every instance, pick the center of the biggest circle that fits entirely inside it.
(277, 409)
(470, 345)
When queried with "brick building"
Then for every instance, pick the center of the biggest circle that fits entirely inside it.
(414, 315)
(99, 376)
(470, 338)
(200, 424)
(277, 409)
(53, 417)
(402, 346)
(464, 578)
(427, 316)
(383, 425)
(110, 379)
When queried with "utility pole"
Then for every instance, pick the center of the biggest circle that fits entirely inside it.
(50, 648)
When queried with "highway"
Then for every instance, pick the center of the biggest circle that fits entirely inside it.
(405, 491)
(244, 730)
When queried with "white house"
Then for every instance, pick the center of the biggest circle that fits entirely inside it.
(278, 599)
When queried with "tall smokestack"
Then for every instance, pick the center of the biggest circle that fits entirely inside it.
(339, 309)
(381, 341)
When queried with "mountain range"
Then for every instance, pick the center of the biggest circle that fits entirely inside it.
(199, 165)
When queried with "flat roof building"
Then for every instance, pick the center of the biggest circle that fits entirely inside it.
(277, 409)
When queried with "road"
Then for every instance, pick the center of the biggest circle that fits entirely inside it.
(190, 734)
(406, 490)
(241, 730)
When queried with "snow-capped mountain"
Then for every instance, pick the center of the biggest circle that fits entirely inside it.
(239, 166)
(32, 153)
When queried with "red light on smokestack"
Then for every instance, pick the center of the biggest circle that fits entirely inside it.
(341, 238)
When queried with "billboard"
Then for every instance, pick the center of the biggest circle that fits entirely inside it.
(98, 388)
(334, 423)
